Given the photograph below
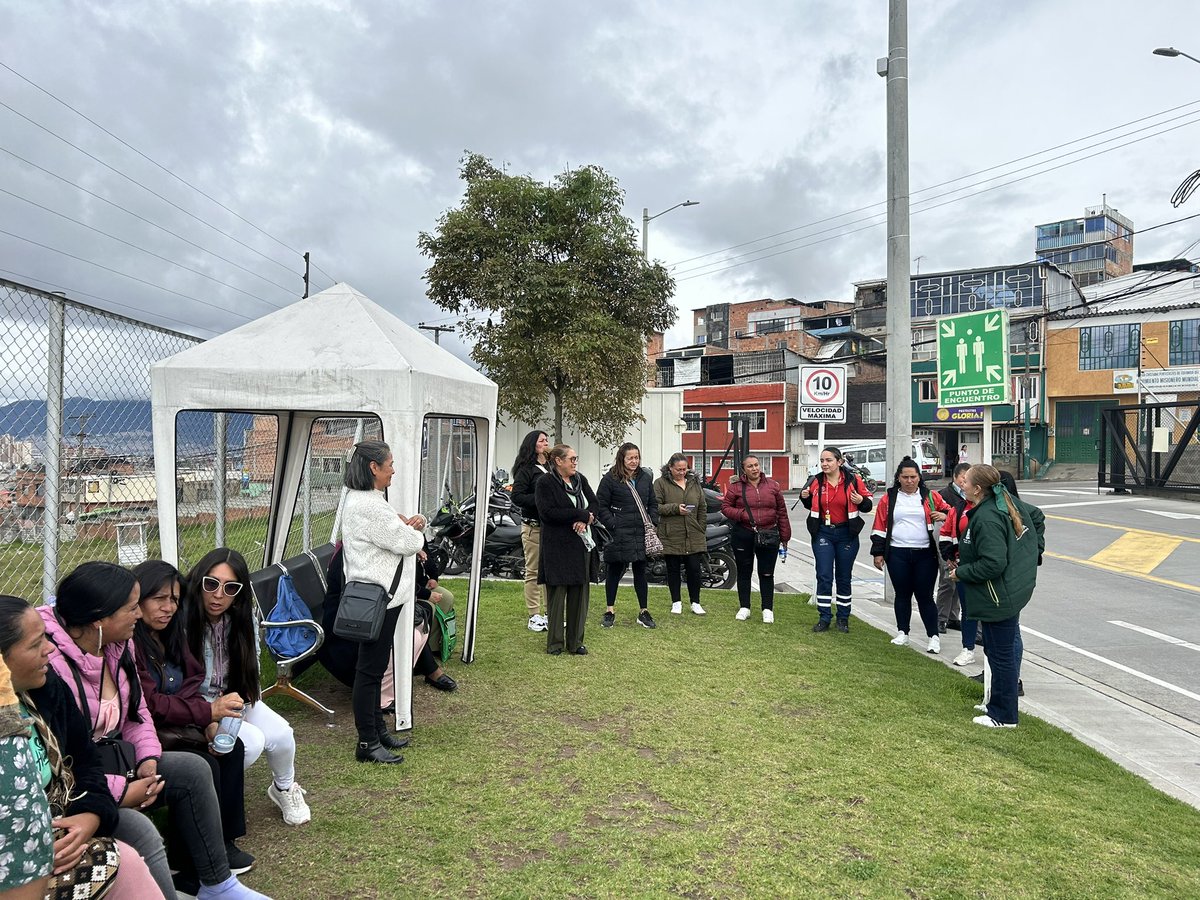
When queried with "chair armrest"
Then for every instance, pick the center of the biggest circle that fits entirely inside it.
(293, 623)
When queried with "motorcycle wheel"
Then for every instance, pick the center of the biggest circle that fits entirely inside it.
(452, 566)
(721, 571)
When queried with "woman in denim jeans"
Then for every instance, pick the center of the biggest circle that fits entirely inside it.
(834, 498)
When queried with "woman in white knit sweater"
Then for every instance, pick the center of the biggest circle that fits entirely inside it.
(375, 539)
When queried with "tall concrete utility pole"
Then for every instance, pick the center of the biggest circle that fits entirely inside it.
(899, 316)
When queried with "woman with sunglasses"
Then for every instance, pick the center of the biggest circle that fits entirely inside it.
(220, 632)
(171, 677)
(90, 628)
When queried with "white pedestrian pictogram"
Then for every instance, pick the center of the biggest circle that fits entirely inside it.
(978, 348)
(962, 355)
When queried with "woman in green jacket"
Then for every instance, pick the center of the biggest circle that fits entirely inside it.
(997, 566)
(682, 517)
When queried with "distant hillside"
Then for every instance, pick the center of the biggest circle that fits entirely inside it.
(119, 426)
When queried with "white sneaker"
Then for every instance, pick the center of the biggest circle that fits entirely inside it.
(981, 707)
(768, 616)
(742, 614)
(965, 658)
(901, 639)
(677, 608)
(989, 722)
(698, 609)
(291, 803)
(537, 623)
(935, 645)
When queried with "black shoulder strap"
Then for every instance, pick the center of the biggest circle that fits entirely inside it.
(83, 703)
(746, 503)
(396, 579)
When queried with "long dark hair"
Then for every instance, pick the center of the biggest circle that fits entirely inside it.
(527, 453)
(675, 457)
(243, 653)
(908, 463)
(11, 610)
(94, 591)
(169, 645)
(617, 472)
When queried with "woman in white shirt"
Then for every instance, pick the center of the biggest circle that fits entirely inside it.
(375, 540)
(905, 538)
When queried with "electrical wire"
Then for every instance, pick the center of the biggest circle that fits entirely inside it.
(148, 159)
(148, 190)
(722, 268)
(139, 247)
(142, 218)
(941, 184)
(124, 274)
(108, 300)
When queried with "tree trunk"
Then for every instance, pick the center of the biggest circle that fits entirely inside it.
(558, 415)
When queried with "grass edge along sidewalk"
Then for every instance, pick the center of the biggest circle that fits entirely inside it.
(712, 758)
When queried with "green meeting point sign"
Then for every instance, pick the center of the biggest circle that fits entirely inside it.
(972, 356)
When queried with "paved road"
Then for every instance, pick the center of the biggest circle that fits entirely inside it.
(1112, 635)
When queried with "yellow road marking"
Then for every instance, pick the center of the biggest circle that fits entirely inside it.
(1120, 571)
(1137, 552)
(1125, 528)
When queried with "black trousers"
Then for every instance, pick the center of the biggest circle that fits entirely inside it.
(692, 565)
(745, 553)
(615, 571)
(368, 676)
(229, 780)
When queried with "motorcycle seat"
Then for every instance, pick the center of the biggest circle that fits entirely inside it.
(715, 531)
(506, 534)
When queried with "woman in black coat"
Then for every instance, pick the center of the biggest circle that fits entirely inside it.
(619, 511)
(565, 504)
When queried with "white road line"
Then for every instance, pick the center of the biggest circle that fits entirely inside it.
(1084, 503)
(1092, 492)
(1025, 629)
(1178, 642)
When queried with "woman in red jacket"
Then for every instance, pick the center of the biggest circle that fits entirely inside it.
(184, 718)
(907, 521)
(754, 506)
(834, 498)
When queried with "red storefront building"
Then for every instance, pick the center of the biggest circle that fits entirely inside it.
(708, 411)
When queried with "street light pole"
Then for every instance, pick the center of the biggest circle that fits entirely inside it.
(899, 316)
(1172, 52)
(646, 217)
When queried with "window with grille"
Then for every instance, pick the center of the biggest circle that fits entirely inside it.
(873, 413)
(1184, 343)
(691, 421)
(756, 417)
(1109, 346)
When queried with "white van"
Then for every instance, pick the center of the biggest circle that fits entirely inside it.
(874, 457)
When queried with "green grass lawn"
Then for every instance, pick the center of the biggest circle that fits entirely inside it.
(712, 758)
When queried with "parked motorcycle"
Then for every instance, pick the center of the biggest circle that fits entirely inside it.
(717, 569)
(454, 534)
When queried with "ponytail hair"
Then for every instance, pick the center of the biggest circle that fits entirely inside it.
(987, 479)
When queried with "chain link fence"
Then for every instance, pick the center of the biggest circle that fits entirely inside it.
(76, 441)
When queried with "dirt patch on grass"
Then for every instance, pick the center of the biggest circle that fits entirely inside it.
(644, 811)
(791, 710)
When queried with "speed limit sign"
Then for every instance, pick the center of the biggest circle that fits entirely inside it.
(822, 394)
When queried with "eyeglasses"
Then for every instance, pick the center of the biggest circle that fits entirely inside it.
(572, 459)
(215, 586)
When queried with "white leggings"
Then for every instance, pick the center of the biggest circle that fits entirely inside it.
(265, 729)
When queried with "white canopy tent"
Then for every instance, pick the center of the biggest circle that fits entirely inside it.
(335, 354)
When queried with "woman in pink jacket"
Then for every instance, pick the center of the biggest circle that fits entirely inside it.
(91, 627)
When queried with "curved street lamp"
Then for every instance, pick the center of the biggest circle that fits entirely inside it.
(1172, 52)
(646, 217)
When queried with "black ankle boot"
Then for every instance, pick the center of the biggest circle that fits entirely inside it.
(386, 737)
(374, 752)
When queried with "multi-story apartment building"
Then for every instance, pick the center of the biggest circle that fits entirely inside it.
(1092, 248)
(1029, 292)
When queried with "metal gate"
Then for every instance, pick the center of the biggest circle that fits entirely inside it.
(1151, 447)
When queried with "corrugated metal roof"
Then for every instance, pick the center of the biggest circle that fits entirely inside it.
(1141, 292)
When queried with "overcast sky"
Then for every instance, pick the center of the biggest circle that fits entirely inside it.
(337, 127)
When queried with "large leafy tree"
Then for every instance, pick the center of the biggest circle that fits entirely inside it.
(553, 292)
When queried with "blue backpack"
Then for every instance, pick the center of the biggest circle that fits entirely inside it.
(293, 640)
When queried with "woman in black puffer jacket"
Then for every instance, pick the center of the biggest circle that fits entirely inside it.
(619, 511)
